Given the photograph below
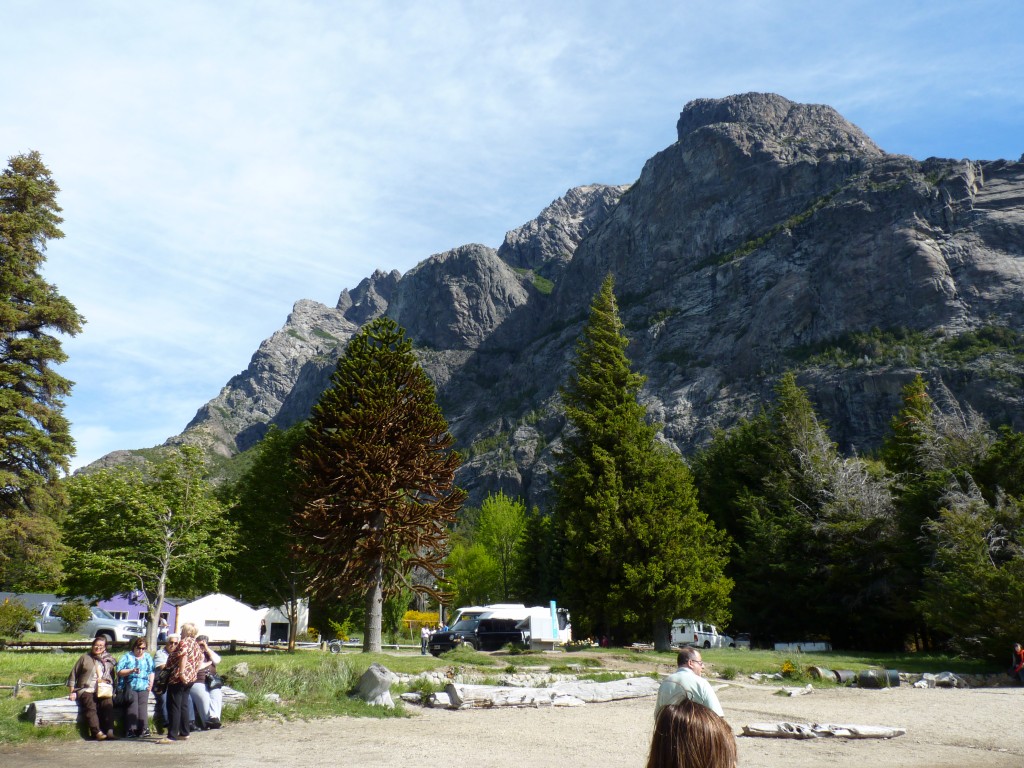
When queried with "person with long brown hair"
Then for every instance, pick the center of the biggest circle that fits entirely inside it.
(689, 735)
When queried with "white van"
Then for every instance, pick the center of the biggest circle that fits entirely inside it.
(699, 634)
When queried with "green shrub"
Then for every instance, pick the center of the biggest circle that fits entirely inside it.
(729, 673)
(424, 686)
(15, 620)
(74, 614)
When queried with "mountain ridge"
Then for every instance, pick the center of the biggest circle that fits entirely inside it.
(767, 230)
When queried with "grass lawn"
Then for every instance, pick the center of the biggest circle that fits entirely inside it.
(315, 684)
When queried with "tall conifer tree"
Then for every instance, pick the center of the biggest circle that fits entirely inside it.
(638, 551)
(377, 476)
(35, 437)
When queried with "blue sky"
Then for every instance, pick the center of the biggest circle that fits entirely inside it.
(220, 160)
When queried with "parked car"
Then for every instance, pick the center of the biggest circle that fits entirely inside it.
(742, 640)
(480, 633)
(101, 624)
(699, 634)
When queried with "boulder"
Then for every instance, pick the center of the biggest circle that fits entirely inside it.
(375, 686)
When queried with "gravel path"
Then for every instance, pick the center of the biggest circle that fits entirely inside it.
(945, 727)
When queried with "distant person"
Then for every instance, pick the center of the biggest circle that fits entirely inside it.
(136, 671)
(1017, 666)
(688, 682)
(263, 635)
(689, 735)
(91, 687)
(161, 629)
(424, 639)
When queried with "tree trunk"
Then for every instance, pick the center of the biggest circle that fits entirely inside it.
(293, 616)
(374, 611)
(156, 602)
(662, 635)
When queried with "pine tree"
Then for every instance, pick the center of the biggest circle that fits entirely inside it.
(637, 550)
(377, 476)
(35, 438)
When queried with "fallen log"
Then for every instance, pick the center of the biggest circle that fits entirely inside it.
(490, 696)
(569, 693)
(614, 690)
(821, 730)
(63, 711)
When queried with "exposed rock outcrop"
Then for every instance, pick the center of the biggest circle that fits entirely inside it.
(766, 235)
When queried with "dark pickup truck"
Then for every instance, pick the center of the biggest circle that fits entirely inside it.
(481, 634)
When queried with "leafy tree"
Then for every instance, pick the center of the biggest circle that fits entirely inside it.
(377, 476)
(500, 528)
(473, 575)
(35, 437)
(813, 530)
(974, 584)
(623, 503)
(931, 451)
(148, 533)
(263, 567)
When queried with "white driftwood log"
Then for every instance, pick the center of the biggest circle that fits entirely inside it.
(592, 692)
(820, 730)
(63, 711)
(488, 696)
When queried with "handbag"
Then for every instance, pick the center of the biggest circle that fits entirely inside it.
(163, 677)
(104, 690)
(121, 696)
(214, 681)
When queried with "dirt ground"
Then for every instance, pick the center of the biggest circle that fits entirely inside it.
(945, 727)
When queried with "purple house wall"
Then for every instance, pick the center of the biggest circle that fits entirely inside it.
(130, 607)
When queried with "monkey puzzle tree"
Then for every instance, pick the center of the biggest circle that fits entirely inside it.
(377, 476)
(35, 437)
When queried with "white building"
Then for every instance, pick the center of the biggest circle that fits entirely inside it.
(222, 617)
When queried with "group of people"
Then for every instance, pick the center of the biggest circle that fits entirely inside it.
(182, 676)
(690, 730)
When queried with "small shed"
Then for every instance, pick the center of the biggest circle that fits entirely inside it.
(222, 617)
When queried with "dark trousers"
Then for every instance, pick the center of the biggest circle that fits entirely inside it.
(160, 709)
(97, 713)
(177, 710)
(136, 714)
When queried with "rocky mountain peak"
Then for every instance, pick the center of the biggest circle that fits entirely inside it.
(370, 298)
(774, 120)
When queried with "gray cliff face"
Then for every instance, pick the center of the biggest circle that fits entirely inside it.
(456, 300)
(546, 244)
(238, 417)
(764, 236)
